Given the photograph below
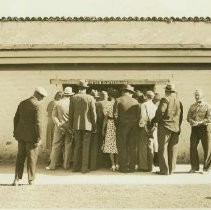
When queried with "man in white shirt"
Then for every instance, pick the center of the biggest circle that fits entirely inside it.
(148, 137)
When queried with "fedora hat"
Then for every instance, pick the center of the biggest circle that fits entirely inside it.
(68, 91)
(95, 93)
(128, 88)
(83, 83)
(41, 91)
(170, 88)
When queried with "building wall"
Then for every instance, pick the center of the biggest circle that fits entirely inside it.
(104, 33)
(18, 85)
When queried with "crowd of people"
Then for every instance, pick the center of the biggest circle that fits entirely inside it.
(135, 130)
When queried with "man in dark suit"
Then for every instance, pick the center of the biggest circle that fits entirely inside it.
(126, 110)
(169, 118)
(27, 131)
(82, 115)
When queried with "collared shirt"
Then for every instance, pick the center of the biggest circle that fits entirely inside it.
(199, 112)
(148, 110)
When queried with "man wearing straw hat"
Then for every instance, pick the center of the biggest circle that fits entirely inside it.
(62, 136)
(83, 123)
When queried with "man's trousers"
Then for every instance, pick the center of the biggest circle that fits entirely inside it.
(126, 144)
(200, 133)
(167, 149)
(62, 142)
(29, 151)
(81, 150)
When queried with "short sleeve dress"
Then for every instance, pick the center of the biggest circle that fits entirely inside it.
(110, 133)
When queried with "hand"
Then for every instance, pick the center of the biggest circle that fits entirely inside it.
(103, 132)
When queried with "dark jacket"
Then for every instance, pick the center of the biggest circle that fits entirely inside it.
(126, 109)
(27, 121)
(82, 112)
(169, 113)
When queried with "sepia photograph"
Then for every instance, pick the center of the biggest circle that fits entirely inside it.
(105, 104)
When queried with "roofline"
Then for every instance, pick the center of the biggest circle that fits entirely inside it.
(107, 19)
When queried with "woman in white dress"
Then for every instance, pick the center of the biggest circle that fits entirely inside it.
(109, 131)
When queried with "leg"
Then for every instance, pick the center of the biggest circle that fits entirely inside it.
(68, 150)
(132, 147)
(163, 139)
(205, 140)
(93, 151)
(57, 146)
(32, 155)
(150, 154)
(122, 133)
(85, 151)
(172, 151)
(143, 144)
(112, 161)
(208, 160)
(77, 150)
(194, 157)
(21, 157)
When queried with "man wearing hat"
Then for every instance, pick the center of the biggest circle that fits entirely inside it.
(83, 122)
(199, 117)
(62, 135)
(126, 110)
(148, 135)
(28, 132)
(169, 119)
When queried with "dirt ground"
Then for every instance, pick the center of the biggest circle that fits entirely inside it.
(102, 190)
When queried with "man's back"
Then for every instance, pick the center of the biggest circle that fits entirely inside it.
(169, 109)
(61, 110)
(27, 120)
(127, 110)
(82, 112)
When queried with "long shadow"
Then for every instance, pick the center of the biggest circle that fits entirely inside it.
(208, 198)
(11, 185)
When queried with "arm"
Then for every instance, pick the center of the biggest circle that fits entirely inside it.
(190, 117)
(38, 120)
(55, 116)
(16, 119)
(160, 111)
(181, 114)
(71, 114)
(93, 114)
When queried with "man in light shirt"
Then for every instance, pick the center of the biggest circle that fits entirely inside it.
(199, 117)
(148, 136)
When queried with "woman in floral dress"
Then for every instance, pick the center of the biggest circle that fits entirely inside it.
(109, 131)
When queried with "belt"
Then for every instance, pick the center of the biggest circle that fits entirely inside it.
(110, 118)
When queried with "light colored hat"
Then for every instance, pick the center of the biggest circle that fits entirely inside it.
(170, 88)
(128, 88)
(41, 91)
(150, 94)
(94, 93)
(83, 83)
(68, 91)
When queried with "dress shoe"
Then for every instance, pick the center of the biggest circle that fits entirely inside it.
(84, 171)
(48, 168)
(113, 168)
(192, 171)
(15, 182)
(205, 171)
(31, 182)
(162, 173)
(75, 170)
(117, 167)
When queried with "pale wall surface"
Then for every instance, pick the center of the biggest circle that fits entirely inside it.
(63, 33)
(18, 85)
